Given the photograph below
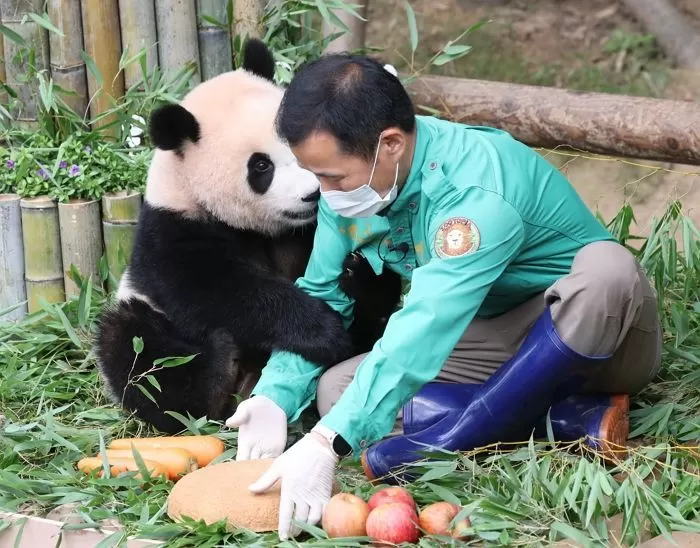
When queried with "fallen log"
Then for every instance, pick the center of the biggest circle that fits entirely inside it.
(670, 27)
(617, 125)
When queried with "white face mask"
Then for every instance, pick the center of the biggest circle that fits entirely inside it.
(363, 201)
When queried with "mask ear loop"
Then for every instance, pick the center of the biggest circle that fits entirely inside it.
(374, 165)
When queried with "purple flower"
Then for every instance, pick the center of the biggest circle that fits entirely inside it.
(88, 149)
(43, 173)
(74, 170)
(63, 164)
(10, 164)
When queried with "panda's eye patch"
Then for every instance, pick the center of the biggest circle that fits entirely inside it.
(261, 171)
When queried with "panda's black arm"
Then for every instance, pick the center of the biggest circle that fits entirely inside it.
(261, 311)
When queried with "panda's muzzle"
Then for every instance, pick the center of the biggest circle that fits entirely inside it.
(313, 197)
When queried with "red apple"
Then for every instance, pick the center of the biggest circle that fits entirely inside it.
(393, 522)
(345, 516)
(435, 518)
(391, 494)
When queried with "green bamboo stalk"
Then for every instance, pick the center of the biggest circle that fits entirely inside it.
(120, 214)
(42, 251)
(138, 25)
(215, 50)
(176, 25)
(67, 67)
(103, 45)
(17, 67)
(12, 289)
(81, 241)
(3, 75)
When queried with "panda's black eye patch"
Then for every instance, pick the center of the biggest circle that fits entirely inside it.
(261, 171)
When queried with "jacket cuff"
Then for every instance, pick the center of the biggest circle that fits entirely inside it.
(290, 381)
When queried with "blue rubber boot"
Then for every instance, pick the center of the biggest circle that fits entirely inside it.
(507, 404)
(599, 418)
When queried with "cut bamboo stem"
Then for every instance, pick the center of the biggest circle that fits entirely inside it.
(67, 67)
(103, 45)
(215, 50)
(247, 18)
(355, 38)
(43, 267)
(81, 241)
(120, 214)
(138, 27)
(12, 288)
(176, 24)
(17, 67)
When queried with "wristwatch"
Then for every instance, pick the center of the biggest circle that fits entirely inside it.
(339, 446)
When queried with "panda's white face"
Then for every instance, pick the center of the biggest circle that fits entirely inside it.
(233, 167)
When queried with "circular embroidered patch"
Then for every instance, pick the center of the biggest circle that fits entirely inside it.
(455, 237)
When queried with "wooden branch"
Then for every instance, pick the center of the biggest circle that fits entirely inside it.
(671, 29)
(620, 125)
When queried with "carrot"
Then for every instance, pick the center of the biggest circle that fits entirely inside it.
(117, 465)
(204, 448)
(176, 460)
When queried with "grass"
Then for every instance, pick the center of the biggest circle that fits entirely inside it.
(55, 412)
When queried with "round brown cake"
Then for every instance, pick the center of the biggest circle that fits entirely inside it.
(220, 491)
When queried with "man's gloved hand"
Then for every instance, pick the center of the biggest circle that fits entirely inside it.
(262, 429)
(306, 471)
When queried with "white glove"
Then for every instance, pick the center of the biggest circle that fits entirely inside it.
(306, 471)
(262, 429)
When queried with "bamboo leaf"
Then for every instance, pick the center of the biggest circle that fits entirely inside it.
(412, 26)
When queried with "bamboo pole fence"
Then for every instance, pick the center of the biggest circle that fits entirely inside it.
(42, 240)
(67, 66)
(18, 65)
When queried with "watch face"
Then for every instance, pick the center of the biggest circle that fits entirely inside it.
(341, 447)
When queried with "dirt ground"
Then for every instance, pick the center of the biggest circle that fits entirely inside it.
(591, 45)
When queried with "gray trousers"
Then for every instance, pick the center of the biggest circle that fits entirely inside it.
(606, 305)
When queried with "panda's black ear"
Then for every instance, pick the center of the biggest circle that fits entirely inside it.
(171, 125)
(258, 59)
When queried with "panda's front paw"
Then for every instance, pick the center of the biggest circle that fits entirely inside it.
(356, 271)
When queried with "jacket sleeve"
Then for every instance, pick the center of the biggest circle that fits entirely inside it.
(288, 379)
(445, 295)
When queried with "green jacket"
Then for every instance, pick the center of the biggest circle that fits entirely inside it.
(488, 222)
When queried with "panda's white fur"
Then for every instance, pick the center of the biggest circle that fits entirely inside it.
(226, 226)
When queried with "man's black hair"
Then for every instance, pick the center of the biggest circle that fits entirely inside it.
(352, 97)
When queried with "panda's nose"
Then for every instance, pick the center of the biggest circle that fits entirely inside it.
(313, 197)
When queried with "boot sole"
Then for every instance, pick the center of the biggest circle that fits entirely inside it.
(621, 401)
(613, 434)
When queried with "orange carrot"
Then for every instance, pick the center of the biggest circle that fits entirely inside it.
(176, 460)
(117, 465)
(204, 448)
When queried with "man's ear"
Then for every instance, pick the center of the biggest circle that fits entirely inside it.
(395, 141)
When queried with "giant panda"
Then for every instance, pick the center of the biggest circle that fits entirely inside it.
(226, 227)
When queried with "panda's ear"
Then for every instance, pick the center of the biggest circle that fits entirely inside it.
(171, 125)
(258, 59)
